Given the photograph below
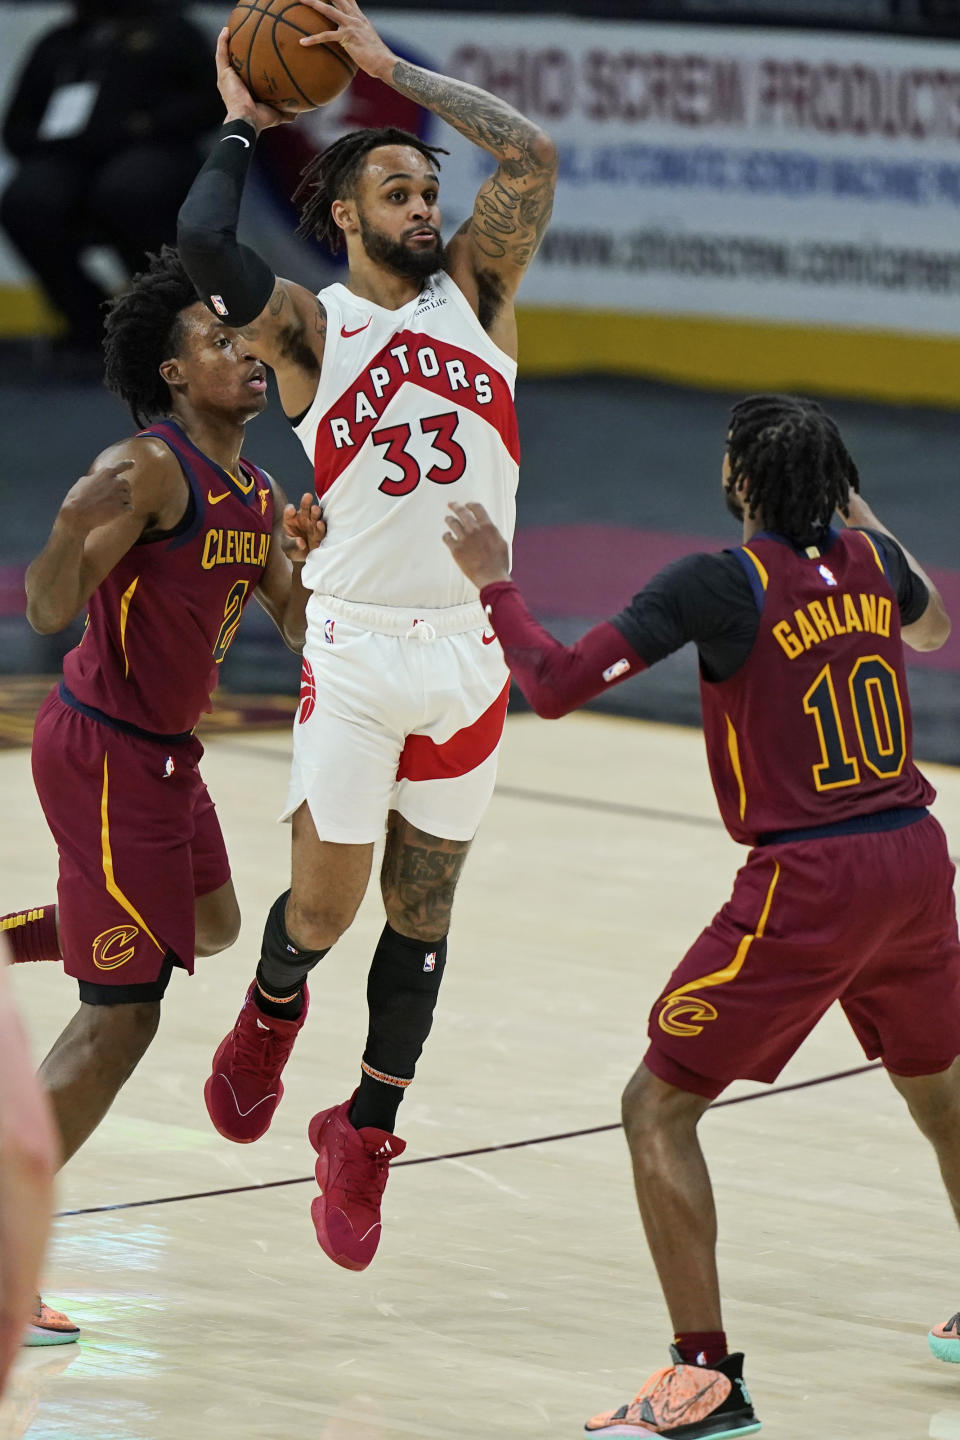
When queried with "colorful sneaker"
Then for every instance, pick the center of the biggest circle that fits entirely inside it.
(50, 1327)
(944, 1340)
(352, 1171)
(245, 1087)
(687, 1400)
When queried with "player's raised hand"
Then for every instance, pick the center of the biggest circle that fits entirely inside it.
(303, 528)
(237, 98)
(98, 498)
(354, 32)
(476, 544)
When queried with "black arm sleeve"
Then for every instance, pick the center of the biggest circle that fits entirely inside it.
(703, 598)
(913, 597)
(231, 279)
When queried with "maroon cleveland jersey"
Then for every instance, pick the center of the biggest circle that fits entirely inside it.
(814, 727)
(163, 619)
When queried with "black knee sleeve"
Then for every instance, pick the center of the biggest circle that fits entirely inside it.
(401, 995)
(283, 966)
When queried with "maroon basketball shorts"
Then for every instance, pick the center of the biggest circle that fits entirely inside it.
(139, 840)
(866, 919)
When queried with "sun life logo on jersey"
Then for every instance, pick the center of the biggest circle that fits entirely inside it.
(114, 947)
(827, 574)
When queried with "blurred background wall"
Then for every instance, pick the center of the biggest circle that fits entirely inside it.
(751, 195)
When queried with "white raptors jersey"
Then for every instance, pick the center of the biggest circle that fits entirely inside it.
(414, 408)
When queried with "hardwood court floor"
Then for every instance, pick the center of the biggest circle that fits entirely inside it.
(512, 1296)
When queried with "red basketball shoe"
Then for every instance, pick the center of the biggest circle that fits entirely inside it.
(245, 1087)
(687, 1400)
(352, 1171)
(49, 1327)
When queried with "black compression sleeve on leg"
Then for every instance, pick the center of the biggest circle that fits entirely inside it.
(231, 279)
(283, 966)
(401, 996)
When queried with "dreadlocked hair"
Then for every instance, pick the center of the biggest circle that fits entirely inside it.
(795, 468)
(141, 330)
(333, 175)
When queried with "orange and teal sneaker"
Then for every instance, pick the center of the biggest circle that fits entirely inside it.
(685, 1400)
(944, 1340)
(50, 1327)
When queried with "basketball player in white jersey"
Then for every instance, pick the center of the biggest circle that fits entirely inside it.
(400, 386)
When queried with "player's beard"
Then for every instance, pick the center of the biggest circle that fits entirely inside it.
(394, 255)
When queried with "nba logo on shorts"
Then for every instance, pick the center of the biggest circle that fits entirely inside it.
(328, 631)
(217, 302)
(429, 961)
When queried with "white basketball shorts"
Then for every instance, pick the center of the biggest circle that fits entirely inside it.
(399, 710)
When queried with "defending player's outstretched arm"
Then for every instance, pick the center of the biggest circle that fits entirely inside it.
(555, 678)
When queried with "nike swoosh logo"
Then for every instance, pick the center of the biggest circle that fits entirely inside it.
(215, 499)
(241, 138)
(488, 639)
(347, 333)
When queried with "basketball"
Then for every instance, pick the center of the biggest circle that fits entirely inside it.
(266, 53)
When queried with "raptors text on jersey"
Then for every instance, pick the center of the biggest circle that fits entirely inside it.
(414, 408)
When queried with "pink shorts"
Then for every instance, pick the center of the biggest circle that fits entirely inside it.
(139, 840)
(866, 919)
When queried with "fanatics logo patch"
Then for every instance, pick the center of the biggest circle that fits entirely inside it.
(429, 962)
(613, 672)
(217, 301)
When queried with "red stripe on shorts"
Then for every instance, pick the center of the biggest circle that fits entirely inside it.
(423, 759)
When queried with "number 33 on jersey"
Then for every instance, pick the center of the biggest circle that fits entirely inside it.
(410, 402)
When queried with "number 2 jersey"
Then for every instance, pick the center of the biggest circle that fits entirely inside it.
(161, 622)
(805, 707)
(414, 408)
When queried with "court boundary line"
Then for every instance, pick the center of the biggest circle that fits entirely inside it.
(462, 1154)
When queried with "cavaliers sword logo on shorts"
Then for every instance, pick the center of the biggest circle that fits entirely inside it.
(113, 948)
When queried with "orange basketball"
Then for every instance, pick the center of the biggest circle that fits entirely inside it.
(266, 53)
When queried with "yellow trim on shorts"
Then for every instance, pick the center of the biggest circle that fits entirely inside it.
(731, 971)
(107, 858)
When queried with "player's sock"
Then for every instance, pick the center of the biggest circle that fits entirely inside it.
(401, 995)
(283, 1007)
(283, 967)
(701, 1347)
(32, 934)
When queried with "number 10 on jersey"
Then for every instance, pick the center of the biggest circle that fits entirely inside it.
(877, 715)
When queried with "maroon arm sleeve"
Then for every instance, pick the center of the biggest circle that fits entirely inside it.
(556, 678)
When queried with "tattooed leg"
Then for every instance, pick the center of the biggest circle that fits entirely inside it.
(418, 879)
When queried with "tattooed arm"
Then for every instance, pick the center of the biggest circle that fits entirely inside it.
(491, 251)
